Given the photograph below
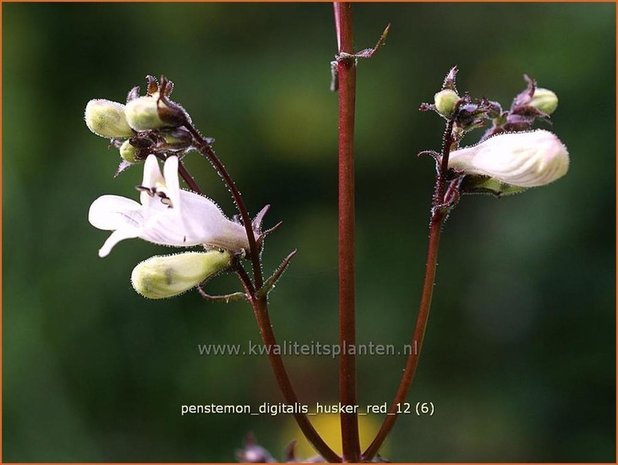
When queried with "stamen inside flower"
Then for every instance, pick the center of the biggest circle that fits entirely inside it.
(187, 219)
(152, 191)
(165, 200)
(149, 190)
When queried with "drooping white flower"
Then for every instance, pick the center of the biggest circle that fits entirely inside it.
(166, 214)
(525, 159)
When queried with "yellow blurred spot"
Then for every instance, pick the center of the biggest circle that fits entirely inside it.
(299, 125)
(328, 426)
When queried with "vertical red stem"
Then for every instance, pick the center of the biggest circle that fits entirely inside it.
(346, 73)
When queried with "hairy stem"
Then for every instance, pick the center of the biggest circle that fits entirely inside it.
(447, 141)
(261, 314)
(260, 310)
(259, 304)
(346, 73)
(206, 150)
(439, 213)
(417, 339)
(188, 178)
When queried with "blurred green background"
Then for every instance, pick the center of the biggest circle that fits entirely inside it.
(519, 356)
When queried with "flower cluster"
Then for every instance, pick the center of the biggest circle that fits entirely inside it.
(149, 128)
(146, 124)
(510, 157)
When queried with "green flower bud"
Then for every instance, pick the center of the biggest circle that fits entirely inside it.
(128, 152)
(445, 101)
(107, 119)
(164, 276)
(144, 113)
(544, 100)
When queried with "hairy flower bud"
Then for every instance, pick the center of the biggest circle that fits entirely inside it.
(128, 152)
(107, 119)
(525, 159)
(544, 100)
(445, 101)
(164, 276)
(143, 114)
(150, 112)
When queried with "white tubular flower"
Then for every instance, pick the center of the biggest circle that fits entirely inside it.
(164, 276)
(166, 215)
(525, 159)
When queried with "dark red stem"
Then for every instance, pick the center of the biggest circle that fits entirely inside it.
(346, 73)
(417, 339)
(259, 304)
(188, 178)
(205, 149)
(260, 310)
(439, 212)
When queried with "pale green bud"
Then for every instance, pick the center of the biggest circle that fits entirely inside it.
(544, 100)
(164, 276)
(144, 113)
(445, 101)
(128, 152)
(107, 119)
